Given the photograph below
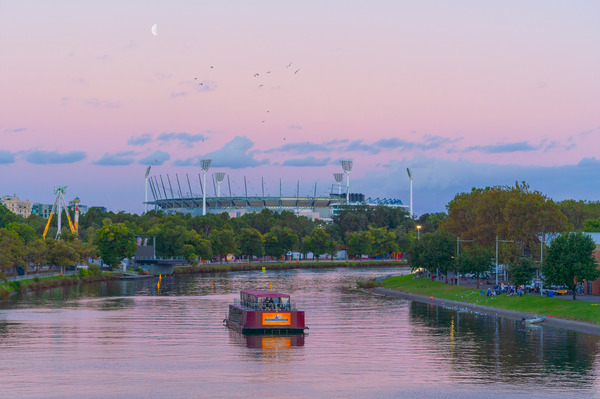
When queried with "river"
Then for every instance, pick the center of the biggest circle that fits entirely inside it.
(135, 340)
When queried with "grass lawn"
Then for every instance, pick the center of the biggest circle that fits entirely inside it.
(11, 287)
(543, 306)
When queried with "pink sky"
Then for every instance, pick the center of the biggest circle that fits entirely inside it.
(511, 83)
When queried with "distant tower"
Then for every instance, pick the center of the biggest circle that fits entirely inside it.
(219, 176)
(76, 201)
(410, 177)
(347, 166)
(339, 177)
(205, 165)
(146, 202)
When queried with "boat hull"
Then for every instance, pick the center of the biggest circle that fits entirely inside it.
(283, 322)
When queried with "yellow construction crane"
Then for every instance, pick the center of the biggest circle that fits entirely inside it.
(56, 208)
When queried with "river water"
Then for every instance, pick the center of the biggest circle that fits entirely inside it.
(135, 340)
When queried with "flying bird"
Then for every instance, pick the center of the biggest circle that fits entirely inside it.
(268, 71)
(255, 75)
(267, 112)
(200, 84)
(260, 86)
(212, 66)
(289, 65)
(296, 71)
(195, 78)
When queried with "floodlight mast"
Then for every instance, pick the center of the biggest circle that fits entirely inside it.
(146, 187)
(410, 177)
(347, 166)
(219, 177)
(205, 165)
(339, 178)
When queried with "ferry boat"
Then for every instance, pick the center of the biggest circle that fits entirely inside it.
(265, 312)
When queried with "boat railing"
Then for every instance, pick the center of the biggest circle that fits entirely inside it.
(264, 306)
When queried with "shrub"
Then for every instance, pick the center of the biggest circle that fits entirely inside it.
(36, 279)
(83, 272)
(4, 294)
(94, 270)
(15, 285)
(368, 284)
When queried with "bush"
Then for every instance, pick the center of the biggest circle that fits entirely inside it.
(15, 285)
(94, 270)
(36, 279)
(4, 294)
(368, 284)
(83, 272)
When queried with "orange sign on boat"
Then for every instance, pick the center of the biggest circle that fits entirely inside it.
(276, 319)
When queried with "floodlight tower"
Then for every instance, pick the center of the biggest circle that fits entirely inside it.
(347, 166)
(146, 202)
(205, 165)
(339, 177)
(219, 176)
(410, 177)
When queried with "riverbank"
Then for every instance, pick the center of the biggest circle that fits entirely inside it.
(36, 283)
(236, 267)
(575, 315)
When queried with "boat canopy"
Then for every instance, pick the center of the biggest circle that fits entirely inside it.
(264, 294)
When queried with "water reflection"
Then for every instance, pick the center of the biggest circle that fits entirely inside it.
(172, 343)
(506, 351)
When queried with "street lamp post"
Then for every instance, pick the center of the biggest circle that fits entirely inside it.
(497, 241)
(410, 177)
(205, 165)
(418, 231)
(458, 241)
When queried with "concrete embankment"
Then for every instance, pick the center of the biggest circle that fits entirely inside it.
(486, 310)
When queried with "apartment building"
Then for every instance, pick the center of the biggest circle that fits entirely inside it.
(15, 205)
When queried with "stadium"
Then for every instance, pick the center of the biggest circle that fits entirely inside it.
(169, 197)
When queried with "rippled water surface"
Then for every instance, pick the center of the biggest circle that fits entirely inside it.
(131, 339)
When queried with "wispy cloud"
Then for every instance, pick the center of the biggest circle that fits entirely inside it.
(104, 57)
(17, 130)
(521, 146)
(301, 148)
(295, 127)
(180, 94)
(6, 157)
(116, 159)
(96, 103)
(184, 138)
(156, 158)
(140, 140)
(308, 161)
(131, 44)
(54, 157)
(236, 154)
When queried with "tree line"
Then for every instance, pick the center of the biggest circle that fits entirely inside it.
(518, 222)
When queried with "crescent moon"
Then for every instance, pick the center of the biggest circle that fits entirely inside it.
(155, 30)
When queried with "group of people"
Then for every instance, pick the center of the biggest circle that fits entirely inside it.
(509, 290)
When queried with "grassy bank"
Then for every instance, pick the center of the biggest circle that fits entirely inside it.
(235, 267)
(37, 283)
(543, 306)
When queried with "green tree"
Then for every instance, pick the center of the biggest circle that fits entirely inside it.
(61, 253)
(522, 272)
(12, 251)
(115, 243)
(223, 241)
(360, 243)
(434, 252)
(592, 226)
(384, 241)
(476, 260)
(251, 243)
(26, 233)
(36, 252)
(569, 260)
(320, 243)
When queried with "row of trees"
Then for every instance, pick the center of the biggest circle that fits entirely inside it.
(520, 222)
(112, 236)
